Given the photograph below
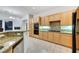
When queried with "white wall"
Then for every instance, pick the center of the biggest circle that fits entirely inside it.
(25, 23)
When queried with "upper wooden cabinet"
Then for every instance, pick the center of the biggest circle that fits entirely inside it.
(42, 22)
(66, 18)
(37, 20)
(55, 17)
(46, 20)
(51, 17)
(78, 13)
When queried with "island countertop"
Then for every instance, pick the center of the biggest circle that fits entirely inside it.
(8, 42)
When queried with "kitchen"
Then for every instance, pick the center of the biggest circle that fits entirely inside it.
(56, 28)
(38, 29)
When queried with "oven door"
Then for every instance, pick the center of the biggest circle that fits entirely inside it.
(36, 28)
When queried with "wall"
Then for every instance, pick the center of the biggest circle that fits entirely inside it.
(25, 22)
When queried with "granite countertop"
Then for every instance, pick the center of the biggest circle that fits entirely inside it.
(8, 42)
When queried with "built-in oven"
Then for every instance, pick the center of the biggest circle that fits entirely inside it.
(36, 28)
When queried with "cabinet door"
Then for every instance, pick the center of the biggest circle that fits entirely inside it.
(66, 39)
(57, 17)
(77, 41)
(66, 18)
(30, 27)
(36, 20)
(40, 35)
(51, 18)
(45, 36)
(50, 37)
(56, 37)
(46, 20)
(42, 20)
(78, 13)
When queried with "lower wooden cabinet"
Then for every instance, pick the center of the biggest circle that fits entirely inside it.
(66, 40)
(50, 37)
(77, 41)
(45, 36)
(56, 37)
(40, 35)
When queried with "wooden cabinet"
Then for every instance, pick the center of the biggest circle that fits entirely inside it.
(46, 21)
(50, 37)
(45, 36)
(55, 17)
(36, 20)
(66, 18)
(78, 13)
(40, 35)
(42, 21)
(31, 27)
(56, 36)
(51, 18)
(66, 40)
(77, 41)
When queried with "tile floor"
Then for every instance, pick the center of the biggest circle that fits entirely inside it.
(33, 45)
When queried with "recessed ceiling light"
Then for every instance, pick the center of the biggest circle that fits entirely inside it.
(11, 17)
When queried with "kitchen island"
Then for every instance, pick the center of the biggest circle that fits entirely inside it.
(12, 44)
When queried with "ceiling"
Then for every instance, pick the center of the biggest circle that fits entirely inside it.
(21, 11)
